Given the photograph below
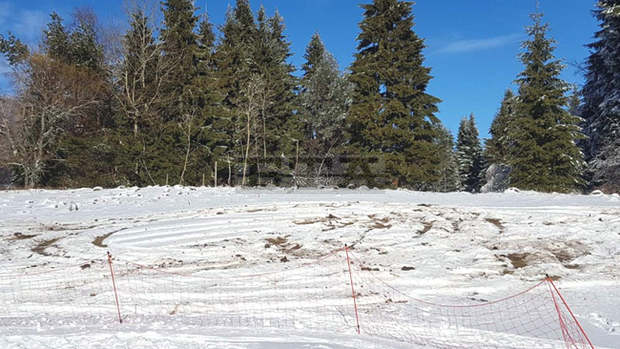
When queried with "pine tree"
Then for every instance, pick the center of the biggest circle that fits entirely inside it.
(601, 94)
(497, 148)
(545, 156)
(469, 155)
(324, 102)
(392, 117)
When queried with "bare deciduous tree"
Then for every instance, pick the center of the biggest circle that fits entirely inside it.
(8, 114)
(188, 127)
(251, 94)
(142, 73)
(49, 93)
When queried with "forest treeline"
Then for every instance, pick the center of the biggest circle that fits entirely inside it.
(174, 101)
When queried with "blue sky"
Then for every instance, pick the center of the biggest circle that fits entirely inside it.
(472, 46)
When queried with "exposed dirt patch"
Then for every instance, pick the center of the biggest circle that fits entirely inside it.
(518, 260)
(569, 250)
(100, 239)
(497, 223)
(254, 210)
(43, 245)
(427, 227)
(294, 248)
(331, 222)
(330, 217)
(278, 241)
(85, 266)
(365, 268)
(562, 252)
(379, 225)
(20, 236)
(456, 227)
(66, 227)
(285, 246)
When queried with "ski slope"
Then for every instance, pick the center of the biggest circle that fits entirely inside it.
(265, 268)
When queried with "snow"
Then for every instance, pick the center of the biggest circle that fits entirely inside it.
(264, 268)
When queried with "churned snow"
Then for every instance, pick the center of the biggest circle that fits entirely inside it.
(266, 268)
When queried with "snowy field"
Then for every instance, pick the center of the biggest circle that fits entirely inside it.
(245, 268)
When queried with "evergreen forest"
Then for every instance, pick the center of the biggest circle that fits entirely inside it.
(177, 100)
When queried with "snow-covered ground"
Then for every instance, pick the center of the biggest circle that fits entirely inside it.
(266, 268)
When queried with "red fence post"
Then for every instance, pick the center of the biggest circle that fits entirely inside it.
(118, 308)
(357, 319)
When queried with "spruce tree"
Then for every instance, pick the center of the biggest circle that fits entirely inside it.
(180, 143)
(574, 102)
(392, 117)
(233, 61)
(469, 155)
(78, 46)
(56, 39)
(139, 122)
(601, 97)
(14, 49)
(254, 54)
(497, 148)
(449, 179)
(545, 156)
(179, 45)
(86, 50)
(211, 138)
(314, 54)
(324, 101)
(280, 129)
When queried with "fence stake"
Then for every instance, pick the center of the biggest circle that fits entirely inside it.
(118, 308)
(357, 319)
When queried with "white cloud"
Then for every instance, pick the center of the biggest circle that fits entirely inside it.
(479, 44)
(26, 24)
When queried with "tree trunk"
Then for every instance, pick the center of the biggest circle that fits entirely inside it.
(247, 151)
(186, 155)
